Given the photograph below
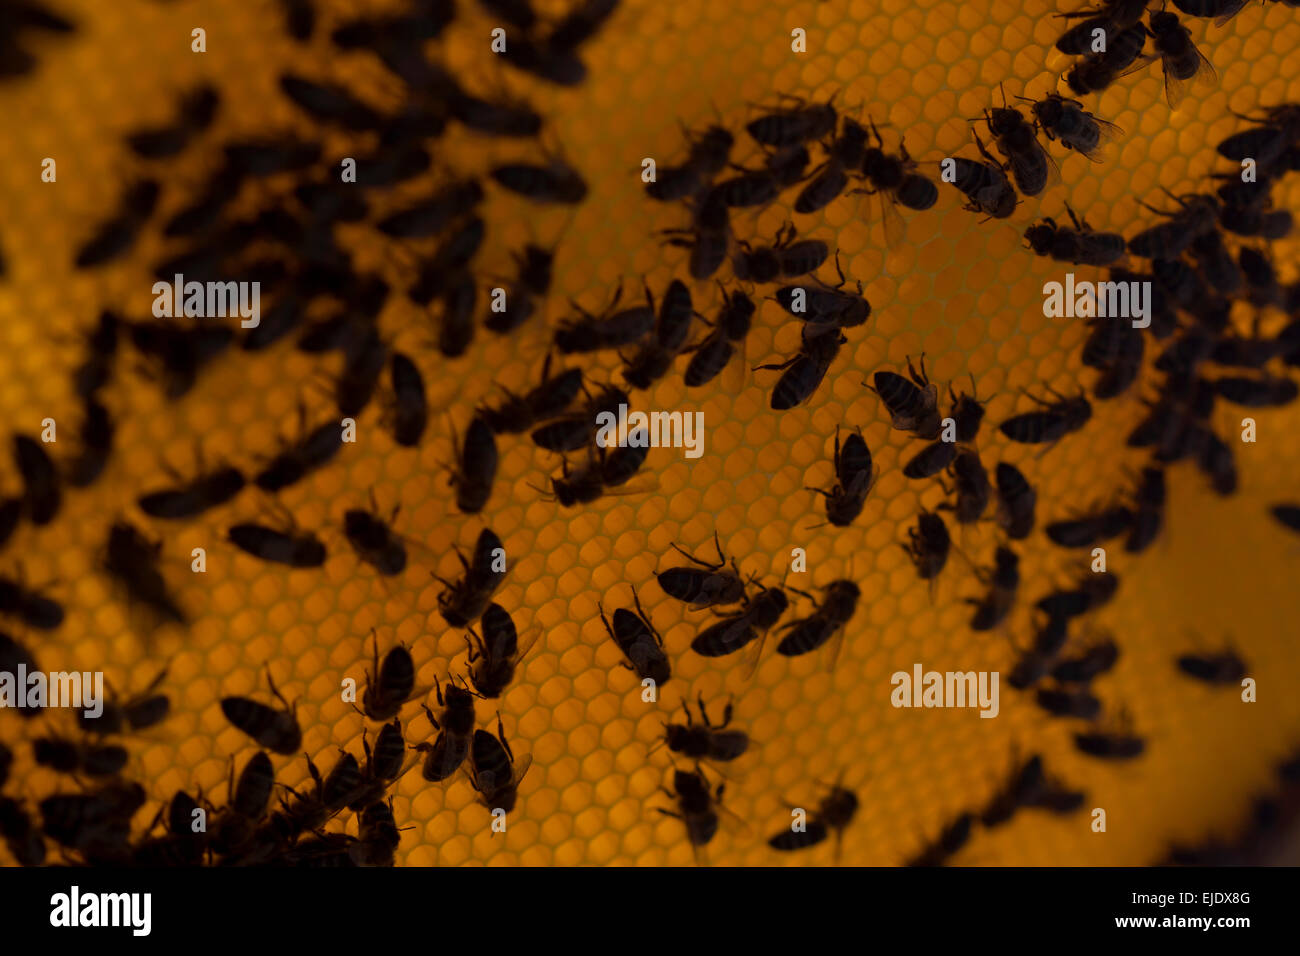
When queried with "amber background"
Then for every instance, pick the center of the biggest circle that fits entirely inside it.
(966, 293)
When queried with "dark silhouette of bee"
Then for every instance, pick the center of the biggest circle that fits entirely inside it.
(930, 460)
(1087, 531)
(330, 103)
(6, 762)
(1068, 702)
(580, 24)
(276, 730)
(546, 400)
(42, 495)
(14, 656)
(706, 740)
(1107, 744)
(390, 684)
(1080, 245)
(928, 545)
(1148, 510)
(73, 757)
(116, 236)
(476, 467)
(950, 840)
(138, 712)
(247, 803)
(430, 216)
(1215, 265)
(1120, 372)
(715, 351)
(1287, 515)
(363, 365)
(984, 184)
(854, 476)
(461, 603)
(967, 414)
(131, 559)
(1262, 286)
(11, 512)
(1034, 664)
(494, 656)
(640, 643)
(804, 372)
(1215, 459)
(197, 110)
(913, 406)
(294, 549)
(409, 412)
(1003, 582)
(1016, 502)
(824, 307)
(734, 631)
(378, 836)
(1051, 423)
(299, 19)
(1224, 668)
(297, 461)
(1264, 144)
(440, 272)
(271, 156)
(31, 607)
(896, 181)
(1262, 392)
(194, 497)
(709, 153)
(1097, 71)
(835, 812)
(747, 189)
(1091, 591)
(1091, 663)
(444, 756)
(612, 330)
(828, 621)
(101, 349)
(1116, 14)
(654, 358)
(96, 824)
(532, 282)
(1031, 166)
(495, 771)
(176, 353)
(845, 153)
(785, 257)
(374, 541)
(1182, 61)
(21, 835)
(697, 806)
(456, 323)
(556, 182)
(1065, 119)
(709, 236)
(791, 127)
(383, 765)
(703, 588)
(1196, 216)
(580, 486)
(1022, 789)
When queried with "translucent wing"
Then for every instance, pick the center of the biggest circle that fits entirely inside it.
(521, 768)
(891, 220)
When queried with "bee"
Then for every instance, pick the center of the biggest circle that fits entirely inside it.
(601, 472)
(913, 406)
(476, 467)
(835, 812)
(1261, 392)
(180, 846)
(1215, 459)
(1215, 265)
(95, 824)
(1091, 663)
(1065, 119)
(1086, 531)
(984, 184)
(896, 181)
(31, 607)
(131, 559)
(556, 182)
(709, 237)
(824, 307)
(410, 408)
(640, 643)
(138, 712)
(1092, 590)
(116, 236)
(42, 495)
(271, 156)
(72, 757)
(1050, 423)
(1264, 144)
(176, 353)
(1287, 515)
(101, 348)
(581, 23)
(1097, 71)
(299, 19)
(732, 632)
(928, 545)
(1023, 789)
(444, 756)
(951, 839)
(390, 684)
(967, 414)
(1004, 582)
(707, 588)
(11, 512)
(295, 549)
(1196, 216)
(13, 657)
(749, 188)
(845, 153)
(363, 366)
(1148, 510)
(1119, 743)
(296, 462)
(709, 153)
(276, 730)
(440, 272)
(197, 110)
(247, 803)
(1068, 702)
(793, 126)
(1224, 668)
(383, 764)
(612, 330)
(697, 806)
(494, 656)
(546, 400)
(1181, 60)
(828, 621)
(1079, 246)
(461, 603)
(495, 771)
(1031, 167)
(373, 540)
(930, 460)
(706, 740)
(805, 371)
(785, 257)
(430, 216)
(652, 361)
(378, 836)
(854, 477)
(1263, 288)
(715, 351)
(194, 497)
(532, 282)
(1120, 372)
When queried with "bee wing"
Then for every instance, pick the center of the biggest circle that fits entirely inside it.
(836, 645)
(1205, 77)
(1175, 89)
(735, 375)
(1230, 11)
(643, 483)
(526, 641)
(1107, 133)
(891, 220)
(520, 768)
(1053, 170)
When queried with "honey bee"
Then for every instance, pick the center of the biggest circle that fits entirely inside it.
(835, 812)
(1016, 502)
(1183, 63)
(785, 257)
(1080, 245)
(1065, 119)
(75, 757)
(1097, 71)
(494, 656)
(495, 771)
(640, 643)
(194, 497)
(703, 588)
(1086, 531)
(713, 353)
(42, 494)
(845, 153)
(828, 621)
(1077, 702)
(928, 545)
(793, 126)
(984, 184)
(461, 603)
(1222, 668)
(276, 730)
(449, 749)
(1051, 423)
(131, 559)
(895, 180)
(556, 182)
(1117, 743)
(697, 807)
(294, 549)
(950, 840)
(706, 740)
(930, 460)
(1148, 510)
(805, 371)
(1031, 167)
(34, 609)
(913, 406)
(1094, 661)
(732, 632)
(854, 477)
(389, 685)
(476, 467)
(1004, 582)
(138, 712)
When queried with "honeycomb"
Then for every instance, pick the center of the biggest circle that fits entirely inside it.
(964, 292)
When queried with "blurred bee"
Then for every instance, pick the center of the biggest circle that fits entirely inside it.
(299, 19)
(928, 545)
(709, 236)
(1118, 743)
(1092, 662)
(913, 406)
(732, 632)
(1223, 668)
(42, 495)
(951, 839)
(462, 602)
(116, 236)
(1031, 167)
(1263, 288)
(1003, 582)
(476, 466)
(1197, 215)
(1092, 590)
(177, 353)
(390, 685)
(1097, 71)
(373, 540)
(429, 217)
(715, 351)
(1075, 702)
(845, 153)
(790, 127)
(194, 497)
(655, 357)
(544, 401)
(1262, 392)
(363, 366)
(556, 182)
(1287, 515)
(1080, 245)
(578, 429)
(1051, 423)
(34, 609)
(828, 621)
(854, 477)
(97, 824)
(494, 656)
(706, 740)
(21, 835)
(532, 282)
(449, 749)
(785, 257)
(197, 110)
(247, 803)
(1182, 61)
(276, 730)
(603, 471)
(292, 548)
(1021, 790)
(640, 643)
(896, 181)
(708, 155)
(930, 460)
(1148, 510)
(971, 485)
(984, 184)
(73, 757)
(295, 462)
(131, 559)
(180, 846)
(14, 656)
(1086, 531)
(378, 835)
(138, 712)
(835, 812)
(611, 330)
(495, 771)
(697, 806)
(1065, 119)
(805, 371)
(703, 588)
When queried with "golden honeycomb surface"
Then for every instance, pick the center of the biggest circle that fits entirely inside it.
(966, 293)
